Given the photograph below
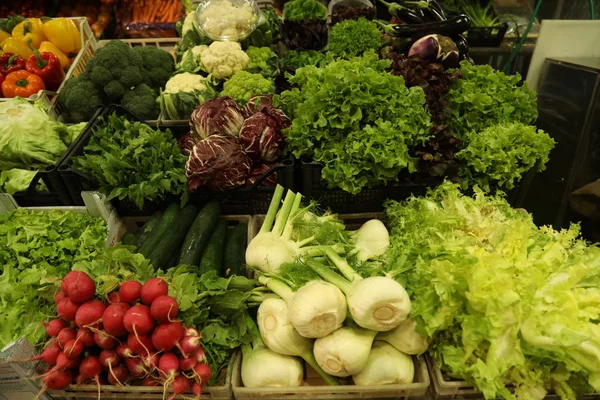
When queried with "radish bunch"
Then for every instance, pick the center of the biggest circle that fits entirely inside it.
(134, 336)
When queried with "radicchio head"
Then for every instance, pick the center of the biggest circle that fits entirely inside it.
(219, 116)
(186, 144)
(261, 134)
(218, 162)
(259, 170)
(258, 103)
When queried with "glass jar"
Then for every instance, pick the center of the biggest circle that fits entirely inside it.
(228, 19)
(340, 10)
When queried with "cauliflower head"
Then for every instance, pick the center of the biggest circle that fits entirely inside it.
(223, 59)
(186, 82)
(224, 19)
(189, 23)
(243, 85)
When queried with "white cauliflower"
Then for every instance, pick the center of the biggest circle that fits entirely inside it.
(223, 59)
(222, 19)
(189, 23)
(185, 82)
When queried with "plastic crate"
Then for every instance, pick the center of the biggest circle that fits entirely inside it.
(80, 392)
(487, 36)
(368, 200)
(314, 388)
(245, 200)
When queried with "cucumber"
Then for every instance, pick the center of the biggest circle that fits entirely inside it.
(171, 241)
(235, 250)
(199, 234)
(129, 239)
(148, 227)
(212, 259)
(158, 233)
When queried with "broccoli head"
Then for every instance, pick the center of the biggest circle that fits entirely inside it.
(79, 99)
(114, 91)
(157, 65)
(116, 61)
(130, 77)
(141, 101)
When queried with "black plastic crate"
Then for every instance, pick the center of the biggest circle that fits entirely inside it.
(56, 195)
(245, 200)
(368, 200)
(486, 36)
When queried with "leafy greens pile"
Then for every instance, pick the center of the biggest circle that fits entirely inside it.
(37, 248)
(507, 303)
(357, 119)
(352, 38)
(131, 160)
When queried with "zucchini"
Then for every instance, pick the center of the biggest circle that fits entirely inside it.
(212, 259)
(235, 250)
(156, 236)
(129, 239)
(171, 241)
(199, 234)
(148, 227)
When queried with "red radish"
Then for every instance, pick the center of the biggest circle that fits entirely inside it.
(151, 361)
(59, 296)
(73, 349)
(105, 341)
(202, 372)
(118, 375)
(90, 368)
(54, 327)
(130, 292)
(153, 288)
(65, 335)
(140, 345)
(187, 364)
(125, 352)
(70, 277)
(66, 309)
(81, 380)
(181, 384)
(109, 358)
(168, 367)
(138, 320)
(114, 298)
(189, 345)
(62, 361)
(200, 356)
(166, 336)
(191, 332)
(150, 381)
(197, 389)
(58, 379)
(49, 355)
(86, 337)
(112, 319)
(164, 309)
(90, 313)
(136, 366)
(81, 289)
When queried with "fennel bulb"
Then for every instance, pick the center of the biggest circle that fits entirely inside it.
(377, 303)
(273, 245)
(262, 367)
(386, 366)
(344, 352)
(315, 310)
(406, 339)
(279, 335)
(371, 240)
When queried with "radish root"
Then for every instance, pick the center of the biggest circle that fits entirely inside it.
(113, 374)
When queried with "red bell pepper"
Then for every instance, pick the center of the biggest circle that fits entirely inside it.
(1, 80)
(46, 66)
(10, 63)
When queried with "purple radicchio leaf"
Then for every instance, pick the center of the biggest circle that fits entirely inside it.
(217, 162)
(261, 134)
(258, 103)
(259, 170)
(218, 116)
(186, 144)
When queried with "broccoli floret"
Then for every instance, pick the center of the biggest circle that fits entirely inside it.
(114, 91)
(157, 64)
(141, 101)
(80, 98)
(100, 75)
(130, 77)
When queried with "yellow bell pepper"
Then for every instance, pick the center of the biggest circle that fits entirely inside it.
(4, 35)
(14, 46)
(28, 31)
(63, 33)
(51, 48)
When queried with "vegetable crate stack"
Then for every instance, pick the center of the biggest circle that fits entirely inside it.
(39, 55)
(352, 333)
